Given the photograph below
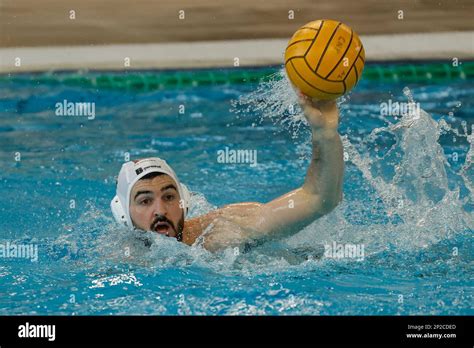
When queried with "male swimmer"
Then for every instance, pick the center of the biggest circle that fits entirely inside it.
(151, 198)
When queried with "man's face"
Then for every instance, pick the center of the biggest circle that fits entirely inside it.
(155, 206)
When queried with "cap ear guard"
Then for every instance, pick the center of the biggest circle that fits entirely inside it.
(118, 212)
(185, 199)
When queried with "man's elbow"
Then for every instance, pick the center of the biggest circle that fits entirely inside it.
(329, 204)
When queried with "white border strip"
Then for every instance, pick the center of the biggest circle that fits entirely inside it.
(445, 45)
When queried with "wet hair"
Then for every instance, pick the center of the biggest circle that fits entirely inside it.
(152, 175)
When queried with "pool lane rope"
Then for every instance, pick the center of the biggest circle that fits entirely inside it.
(146, 80)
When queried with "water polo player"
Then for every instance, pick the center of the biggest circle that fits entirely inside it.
(150, 196)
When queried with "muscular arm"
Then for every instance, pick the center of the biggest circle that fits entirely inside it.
(322, 188)
(289, 213)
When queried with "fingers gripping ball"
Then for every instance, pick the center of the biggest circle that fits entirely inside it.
(324, 59)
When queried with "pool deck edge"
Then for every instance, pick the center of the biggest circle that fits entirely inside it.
(206, 54)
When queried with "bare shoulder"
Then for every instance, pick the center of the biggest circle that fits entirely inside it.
(238, 214)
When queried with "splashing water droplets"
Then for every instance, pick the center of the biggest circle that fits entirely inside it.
(273, 100)
(407, 173)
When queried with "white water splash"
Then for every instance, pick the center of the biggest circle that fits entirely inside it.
(417, 192)
(274, 100)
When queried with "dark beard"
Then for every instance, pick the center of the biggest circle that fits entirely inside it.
(178, 229)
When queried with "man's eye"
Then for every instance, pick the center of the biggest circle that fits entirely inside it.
(169, 197)
(146, 201)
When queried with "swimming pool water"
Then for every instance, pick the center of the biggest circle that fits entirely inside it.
(408, 200)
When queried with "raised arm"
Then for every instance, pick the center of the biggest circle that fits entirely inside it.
(322, 188)
(321, 192)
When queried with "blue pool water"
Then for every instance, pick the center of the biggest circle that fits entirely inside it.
(408, 200)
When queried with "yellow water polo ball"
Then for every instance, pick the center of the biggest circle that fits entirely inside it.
(324, 59)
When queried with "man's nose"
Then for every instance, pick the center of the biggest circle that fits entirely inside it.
(159, 208)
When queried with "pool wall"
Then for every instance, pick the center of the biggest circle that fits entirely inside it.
(445, 46)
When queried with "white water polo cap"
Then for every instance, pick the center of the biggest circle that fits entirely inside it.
(133, 171)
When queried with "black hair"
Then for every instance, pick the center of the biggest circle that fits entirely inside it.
(151, 175)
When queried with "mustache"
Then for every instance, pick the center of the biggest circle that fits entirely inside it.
(161, 218)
